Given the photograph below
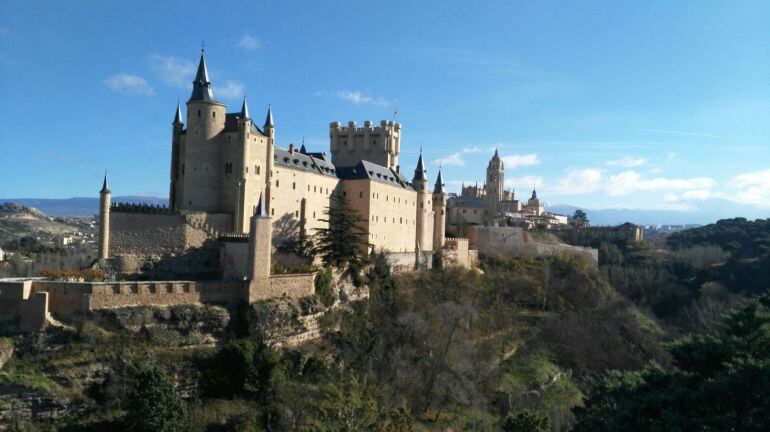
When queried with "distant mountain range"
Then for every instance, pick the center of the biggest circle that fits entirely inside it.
(705, 212)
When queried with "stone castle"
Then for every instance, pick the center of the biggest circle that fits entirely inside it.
(492, 205)
(235, 198)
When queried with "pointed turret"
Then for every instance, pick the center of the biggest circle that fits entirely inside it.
(261, 210)
(244, 110)
(105, 188)
(302, 149)
(202, 85)
(269, 119)
(534, 193)
(178, 115)
(438, 188)
(497, 155)
(420, 172)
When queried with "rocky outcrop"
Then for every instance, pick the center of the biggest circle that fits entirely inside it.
(18, 403)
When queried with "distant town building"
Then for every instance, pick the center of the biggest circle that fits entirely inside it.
(493, 205)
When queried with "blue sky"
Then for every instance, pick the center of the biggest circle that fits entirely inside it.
(654, 105)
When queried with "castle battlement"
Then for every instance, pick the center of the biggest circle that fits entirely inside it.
(385, 126)
(352, 143)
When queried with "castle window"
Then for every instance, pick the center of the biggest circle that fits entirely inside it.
(294, 185)
(296, 213)
(272, 212)
(213, 114)
(313, 215)
(199, 113)
(256, 169)
(360, 194)
(401, 220)
(314, 188)
(276, 183)
(247, 170)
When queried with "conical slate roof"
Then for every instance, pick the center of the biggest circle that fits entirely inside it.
(178, 115)
(261, 210)
(244, 109)
(438, 188)
(202, 85)
(420, 172)
(269, 118)
(105, 188)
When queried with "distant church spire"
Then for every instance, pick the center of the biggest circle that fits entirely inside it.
(420, 171)
(244, 110)
(105, 188)
(269, 119)
(178, 115)
(534, 193)
(202, 85)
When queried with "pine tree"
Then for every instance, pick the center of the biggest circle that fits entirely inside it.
(344, 241)
(153, 404)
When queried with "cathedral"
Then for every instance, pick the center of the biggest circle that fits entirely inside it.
(226, 168)
(492, 205)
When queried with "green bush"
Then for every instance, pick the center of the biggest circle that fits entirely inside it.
(323, 286)
(152, 403)
(526, 421)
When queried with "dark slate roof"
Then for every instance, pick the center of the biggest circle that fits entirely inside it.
(468, 202)
(202, 86)
(105, 188)
(438, 188)
(304, 162)
(269, 118)
(420, 171)
(178, 115)
(231, 124)
(372, 171)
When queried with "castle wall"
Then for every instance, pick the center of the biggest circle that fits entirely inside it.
(64, 297)
(233, 259)
(289, 187)
(456, 253)
(389, 212)
(124, 294)
(289, 285)
(12, 293)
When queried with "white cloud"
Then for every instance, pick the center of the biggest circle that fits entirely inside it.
(578, 181)
(627, 162)
(753, 187)
(231, 90)
(515, 161)
(249, 43)
(173, 71)
(129, 84)
(476, 149)
(524, 182)
(698, 194)
(358, 98)
(455, 159)
(628, 182)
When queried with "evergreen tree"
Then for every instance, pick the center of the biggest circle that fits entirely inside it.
(526, 421)
(344, 241)
(719, 383)
(152, 403)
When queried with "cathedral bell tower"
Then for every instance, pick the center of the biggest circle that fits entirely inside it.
(495, 184)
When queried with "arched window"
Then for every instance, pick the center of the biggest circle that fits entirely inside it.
(213, 114)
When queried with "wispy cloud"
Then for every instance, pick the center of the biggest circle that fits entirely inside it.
(173, 71)
(753, 187)
(129, 84)
(358, 98)
(515, 161)
(524, 182)
(476, 149)
(629, 182)
(689, 133)
(455, 159)
(249, 43)
(230, 90)
(627, 162)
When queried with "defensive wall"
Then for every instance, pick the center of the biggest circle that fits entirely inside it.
(519, 242)
(457, 252)
(33, 299)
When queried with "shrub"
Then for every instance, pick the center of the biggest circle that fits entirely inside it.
(323, 286)
(152, 403)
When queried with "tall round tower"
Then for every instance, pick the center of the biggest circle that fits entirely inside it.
(104, 220)
(439, 213)
(177, 128)
(201, 169)
(495, 183)
(424, 231)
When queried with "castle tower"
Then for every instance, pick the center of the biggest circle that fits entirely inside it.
(176, 129)
(424, 220)
(439, 213)
(495, 183)
(377, 144)
(269, 129)
(201, 167)
(104, 220)
(260, 245)
(247, 187)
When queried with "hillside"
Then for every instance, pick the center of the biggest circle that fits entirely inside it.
(78, 206)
